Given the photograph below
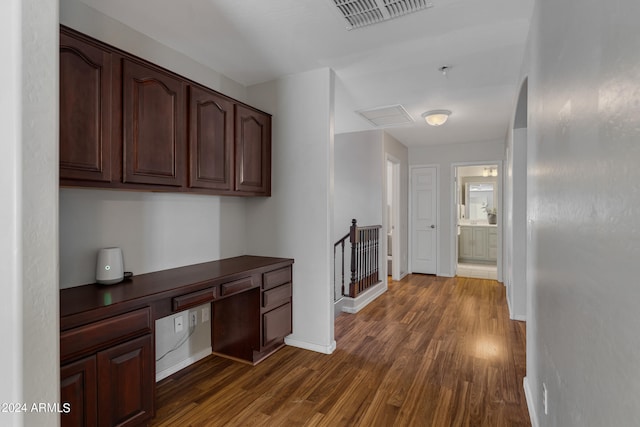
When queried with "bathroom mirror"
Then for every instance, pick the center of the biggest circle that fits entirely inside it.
(479, 197)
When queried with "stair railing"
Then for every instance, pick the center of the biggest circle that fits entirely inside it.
(364, 262)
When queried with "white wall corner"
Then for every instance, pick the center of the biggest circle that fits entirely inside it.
(318, 348)
(183, 364)
(530, 403)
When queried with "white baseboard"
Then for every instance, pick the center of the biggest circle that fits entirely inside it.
(530, 403)
(354, 305)
(326, 349)
(183, 364)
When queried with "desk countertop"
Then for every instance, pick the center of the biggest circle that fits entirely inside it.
(161, 283)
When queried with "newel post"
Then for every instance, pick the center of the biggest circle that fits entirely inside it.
(352, 239)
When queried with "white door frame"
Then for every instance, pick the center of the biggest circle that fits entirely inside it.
(410, 210)
(453, 233)
(395, 213)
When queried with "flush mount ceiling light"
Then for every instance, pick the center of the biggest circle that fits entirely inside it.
(436, 117)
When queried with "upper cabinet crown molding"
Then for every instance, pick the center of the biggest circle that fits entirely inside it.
(126, 123)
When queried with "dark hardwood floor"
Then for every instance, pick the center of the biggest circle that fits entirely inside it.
(429, 352)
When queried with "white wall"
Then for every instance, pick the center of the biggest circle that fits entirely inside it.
(444, 156)
(177, 350)
(155, 231)
(28, 213)
(399, 151)
(515, 207)
(584, 129)
(11, 330)
(297, 221)
(358, 180)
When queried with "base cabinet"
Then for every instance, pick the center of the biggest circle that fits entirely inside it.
(477, 243)
(107, 336)
(276, 307)
(119, 377)
(108, 374)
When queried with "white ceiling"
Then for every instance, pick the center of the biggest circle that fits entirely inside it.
(394, 62)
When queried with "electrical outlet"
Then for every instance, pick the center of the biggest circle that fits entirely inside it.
(177, 323)
(193, 319)
(205, 314)
(545, 401)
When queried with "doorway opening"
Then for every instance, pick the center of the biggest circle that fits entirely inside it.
(393, 219)
(477, 207)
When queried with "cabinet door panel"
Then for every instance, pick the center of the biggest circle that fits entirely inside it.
(466, 243)
(253, 151)
(126, 383)
(276, 324)
(480, 243)
(85, 110)
(493, 245)
(78, 389)
(153, 117)
(210, 140)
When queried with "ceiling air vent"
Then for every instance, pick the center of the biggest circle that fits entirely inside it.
(391, 115)
(360, 13)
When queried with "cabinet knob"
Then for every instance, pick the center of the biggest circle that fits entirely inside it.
(433, 226)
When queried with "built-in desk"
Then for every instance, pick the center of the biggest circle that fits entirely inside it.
(107, 332)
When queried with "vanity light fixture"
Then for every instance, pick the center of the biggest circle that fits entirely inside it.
(490, 172)
(436, 117)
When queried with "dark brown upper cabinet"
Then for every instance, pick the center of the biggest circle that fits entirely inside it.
(129, 124)
(253, 151)
(210, 140)
(85, 110)
(154, 142)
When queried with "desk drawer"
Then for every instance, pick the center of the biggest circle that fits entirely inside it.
(276, 324)
(276, 296)
(194, 299)
(236, 286)
(274, 278)
(94, 336)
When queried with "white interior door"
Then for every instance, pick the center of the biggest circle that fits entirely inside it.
(424, 209)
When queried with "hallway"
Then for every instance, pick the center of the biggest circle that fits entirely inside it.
(431, 351)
